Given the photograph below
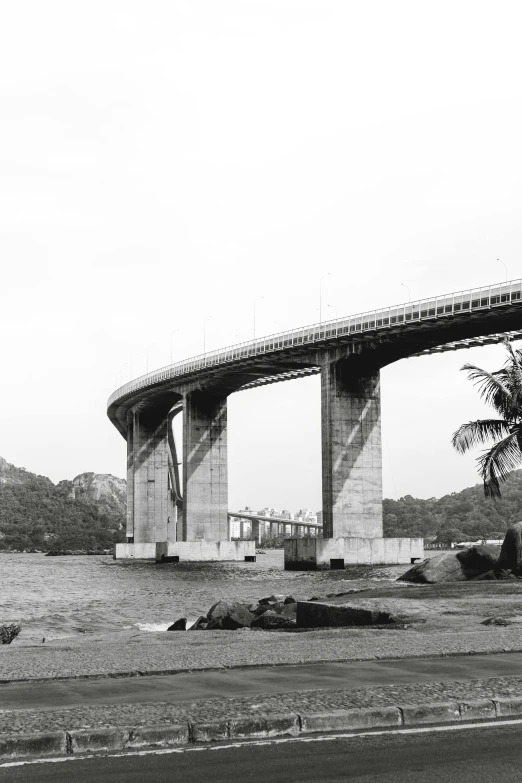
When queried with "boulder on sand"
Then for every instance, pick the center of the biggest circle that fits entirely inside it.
(229, 616)
(179, 625)
(454, 566)
(9, 632)
(511, 550)
(272, 619)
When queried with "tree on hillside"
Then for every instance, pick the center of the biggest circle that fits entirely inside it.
(503, 391)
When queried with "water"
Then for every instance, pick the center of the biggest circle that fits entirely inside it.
(57, 597)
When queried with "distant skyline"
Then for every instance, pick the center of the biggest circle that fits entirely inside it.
(165, 168)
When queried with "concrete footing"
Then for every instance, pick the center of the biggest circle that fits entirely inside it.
(143, 551)
(187, 551)
(308, 554)
(205, 551)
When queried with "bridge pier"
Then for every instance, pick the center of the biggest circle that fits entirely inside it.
(151, 513)
(351, 476)
(151, 510)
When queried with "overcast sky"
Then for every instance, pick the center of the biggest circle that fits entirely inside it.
(163, 164)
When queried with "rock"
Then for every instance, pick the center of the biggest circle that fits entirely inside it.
(511, 550)
(238, 617)
(454, 566)
(262, 608)
(289, 600)
(200, 624)
(219, 609)
(478, 559)
(489, 575)
(289, 611)
(179, 625)
(496, 621)
(231, 616)
(216, 624)
(273, 599)
(9, 632)
(270, 620)
(441, 568)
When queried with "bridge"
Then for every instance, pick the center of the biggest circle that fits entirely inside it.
(190, 521)
(273, 527)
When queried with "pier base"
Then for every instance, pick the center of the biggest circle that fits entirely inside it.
(188, 551)
(310, 554)
(205, 551)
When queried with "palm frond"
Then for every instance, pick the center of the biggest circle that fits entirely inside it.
(496, 464)
(475, 433)
(493, 387)
(513, 368)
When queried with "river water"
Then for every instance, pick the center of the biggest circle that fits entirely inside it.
(55, 597)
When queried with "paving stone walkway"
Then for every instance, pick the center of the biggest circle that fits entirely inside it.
(147, 653)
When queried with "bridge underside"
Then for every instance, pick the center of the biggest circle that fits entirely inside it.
(161, 511)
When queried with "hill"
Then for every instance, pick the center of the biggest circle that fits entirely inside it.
(85, 513)
(461, 516)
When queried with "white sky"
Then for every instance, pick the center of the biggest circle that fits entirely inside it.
(163, 163)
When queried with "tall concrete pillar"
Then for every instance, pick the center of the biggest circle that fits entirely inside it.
(151, 513)
(256, 530)
(205, 474)
(351, 450)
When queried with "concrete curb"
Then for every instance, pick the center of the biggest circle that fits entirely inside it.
(119, 738)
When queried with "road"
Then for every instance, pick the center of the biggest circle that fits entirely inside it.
(266, 680)
(476, 755)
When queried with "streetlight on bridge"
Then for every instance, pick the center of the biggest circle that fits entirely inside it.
(408, 290)
(321, 296)
(254, 325)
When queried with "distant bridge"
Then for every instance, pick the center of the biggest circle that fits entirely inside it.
(274, 527)
(348, 352)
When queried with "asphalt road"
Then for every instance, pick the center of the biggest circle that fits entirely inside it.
(251, 681)
(478, 755)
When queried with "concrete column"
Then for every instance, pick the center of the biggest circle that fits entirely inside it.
(205, 480)
(351, 450)
(130, 477)
(149, 501)
(256, 530)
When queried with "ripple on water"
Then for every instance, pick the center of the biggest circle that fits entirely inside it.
(57, 597)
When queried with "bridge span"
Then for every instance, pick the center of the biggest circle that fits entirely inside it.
(189, 519)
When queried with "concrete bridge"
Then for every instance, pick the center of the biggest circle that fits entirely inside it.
(167, 520)
(273, 527)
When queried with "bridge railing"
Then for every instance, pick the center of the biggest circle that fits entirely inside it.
(484, 298)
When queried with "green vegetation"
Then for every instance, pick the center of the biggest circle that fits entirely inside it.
(37, 515)
(461, 516)
(503, 391)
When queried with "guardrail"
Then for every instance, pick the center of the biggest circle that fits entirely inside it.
(484, 298)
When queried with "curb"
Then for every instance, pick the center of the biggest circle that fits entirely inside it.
(120, 738)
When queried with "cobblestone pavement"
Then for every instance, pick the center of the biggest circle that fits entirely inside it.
(219, 709)
(130, 652)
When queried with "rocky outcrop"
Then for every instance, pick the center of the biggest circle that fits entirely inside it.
(454, 566)
(9, 632)
(275, 611)
(511, 550)
(103, 488)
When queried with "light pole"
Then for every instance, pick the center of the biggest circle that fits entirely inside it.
(505, 267)
(408, 290)
(174, 332)
(208, 317)
(321, 297)
(254, 325)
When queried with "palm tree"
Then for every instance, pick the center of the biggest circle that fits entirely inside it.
(502, 390)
